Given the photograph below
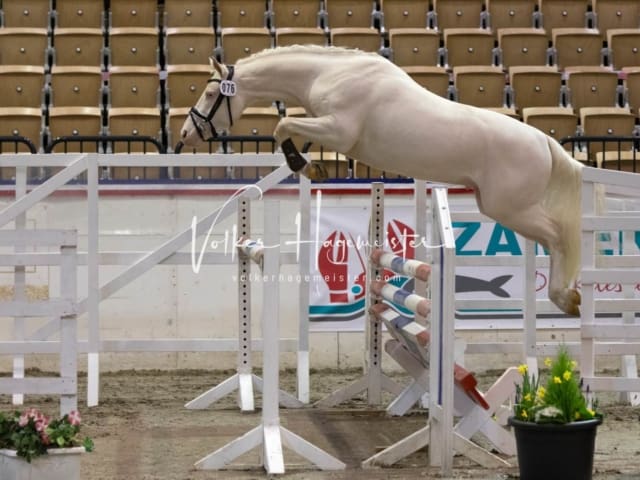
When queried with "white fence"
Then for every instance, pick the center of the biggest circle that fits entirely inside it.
(598, 339)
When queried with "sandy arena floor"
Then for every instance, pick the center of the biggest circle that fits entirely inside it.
(142, 432)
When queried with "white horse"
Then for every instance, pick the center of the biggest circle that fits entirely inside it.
(365, 107)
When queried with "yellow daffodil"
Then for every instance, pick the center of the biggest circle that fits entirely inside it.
(574, 364)
(557, 380)
(591, 412)
(524, 414)
(540, 393)
(527, 397)
(523, 369)
(547, 362)
(567, 375)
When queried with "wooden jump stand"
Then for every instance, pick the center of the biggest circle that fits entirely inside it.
(374, 381)
(269, 434)
(453, 388)
(244, 381)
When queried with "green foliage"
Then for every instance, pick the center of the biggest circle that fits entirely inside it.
(31, 433)
(560, 401)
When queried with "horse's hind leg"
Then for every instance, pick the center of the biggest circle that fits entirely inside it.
(534, 224)
(322, 131)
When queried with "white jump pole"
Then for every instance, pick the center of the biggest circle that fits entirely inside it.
(19, 284)
(270, 434)
(442, 335)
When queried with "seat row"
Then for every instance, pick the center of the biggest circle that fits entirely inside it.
(140, 46)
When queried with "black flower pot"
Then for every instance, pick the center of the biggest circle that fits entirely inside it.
(555, 451)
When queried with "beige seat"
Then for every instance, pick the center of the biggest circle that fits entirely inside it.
(623, 160)
(457, 14)
(189, 45)
(404, 13)
(563, 14)
(300, 36)
(557, 122)
(79, 14)
(468, 46)
(414, 46)
(75, 122)
(295, 13)
(238, 43)
(22, 86)
(577, 47)
(624, 47)
(188, 13)
(185, 84)
(434, 79)
(591, 87)
(23, 46)
(616, 14)
(349, 13)
(22, 122)
(78, 46)
(535, 87)
(522, 46)
(137, 87)
(480, 86)
(366, 39)
(605, 122)
(241, 14)
(511, 14)
(26, 13)
(255, 121)
(175, 121)
(133, 13)
(631, 84)
(135, 122)
(133, 46)
(76, 86)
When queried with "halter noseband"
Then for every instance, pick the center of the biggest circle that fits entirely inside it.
(199, 118)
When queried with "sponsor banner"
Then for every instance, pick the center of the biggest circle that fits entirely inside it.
(341, 249)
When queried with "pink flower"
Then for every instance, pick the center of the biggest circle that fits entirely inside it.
(23, 420)
(74, 417)
(42, 424)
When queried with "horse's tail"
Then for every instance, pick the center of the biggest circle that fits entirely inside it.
(563, 202)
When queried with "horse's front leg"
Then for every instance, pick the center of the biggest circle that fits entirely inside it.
(322, 130)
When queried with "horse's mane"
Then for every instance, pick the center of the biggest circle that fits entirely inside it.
(315, 49)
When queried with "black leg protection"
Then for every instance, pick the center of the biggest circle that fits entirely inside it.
(295, 161)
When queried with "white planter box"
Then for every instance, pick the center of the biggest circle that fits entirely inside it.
(58, 464)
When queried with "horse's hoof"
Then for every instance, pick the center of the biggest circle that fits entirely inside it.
(574, 303)
(316, 171)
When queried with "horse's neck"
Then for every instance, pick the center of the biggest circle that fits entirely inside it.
(285, 78)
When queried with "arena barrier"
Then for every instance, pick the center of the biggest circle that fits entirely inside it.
(270, 434)
(410, 348)
(62, 309)
(244, 380)
(136, 263)
(620, 333)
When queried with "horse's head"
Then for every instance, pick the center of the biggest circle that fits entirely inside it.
(215, 109)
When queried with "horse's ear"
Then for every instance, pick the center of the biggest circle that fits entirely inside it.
(217, 66)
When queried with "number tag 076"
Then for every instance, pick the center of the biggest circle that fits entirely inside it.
(228, 88)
